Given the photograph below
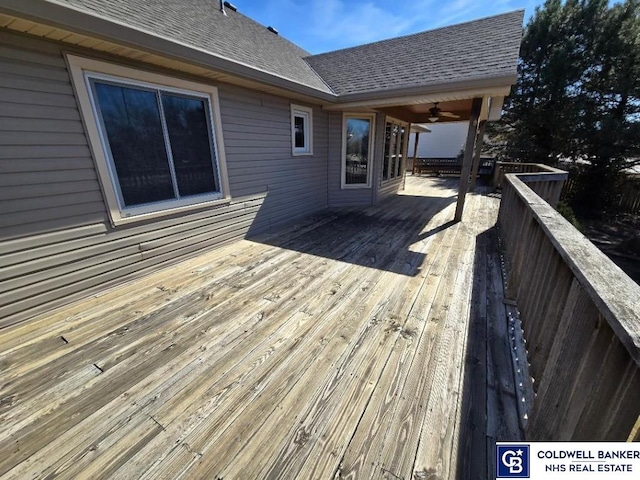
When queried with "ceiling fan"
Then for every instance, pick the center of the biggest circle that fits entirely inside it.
(435, 113)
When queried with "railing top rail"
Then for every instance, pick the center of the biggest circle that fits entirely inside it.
(541, 167)
(615, 294)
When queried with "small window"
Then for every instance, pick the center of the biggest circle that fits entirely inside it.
(357, 148)
(156, 139)
(301, 130)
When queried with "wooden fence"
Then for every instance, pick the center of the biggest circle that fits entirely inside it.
(627, 195)
(581, 320)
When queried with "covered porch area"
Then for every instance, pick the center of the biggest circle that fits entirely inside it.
(398, 115)
(356, 344)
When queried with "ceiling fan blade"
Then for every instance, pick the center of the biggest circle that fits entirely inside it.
(449, 115)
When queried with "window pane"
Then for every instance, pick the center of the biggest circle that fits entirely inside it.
(299, 131)
(357, 154)
(131, 119)
(394, 150)
(191, 146)
(387, 152)
(403, 139)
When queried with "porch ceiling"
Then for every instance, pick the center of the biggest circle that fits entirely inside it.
(415, 109)
(419, 113)
(343, 346)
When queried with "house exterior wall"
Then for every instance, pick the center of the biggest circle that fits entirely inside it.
(338, 196)
(379, 190)
(56, 240)
(257, 135)
(389, 188)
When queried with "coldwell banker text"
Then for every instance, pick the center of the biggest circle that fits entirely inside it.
(568, 460)
(590, 455)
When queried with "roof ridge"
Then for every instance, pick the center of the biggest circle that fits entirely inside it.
(520, 11)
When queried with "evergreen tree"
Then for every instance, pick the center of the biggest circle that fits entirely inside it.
(578, 94)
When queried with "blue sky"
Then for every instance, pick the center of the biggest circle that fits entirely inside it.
(324, 25)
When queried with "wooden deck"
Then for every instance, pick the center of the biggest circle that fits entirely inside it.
(356, 344)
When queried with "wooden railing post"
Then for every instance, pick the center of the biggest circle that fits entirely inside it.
(581, 319)
(468, 153)
(546, 181)
(477, 154)
(497, 172)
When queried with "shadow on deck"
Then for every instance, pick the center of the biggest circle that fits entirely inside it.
(377, 237)
(387, 231)
(489, 403)
(350, 345)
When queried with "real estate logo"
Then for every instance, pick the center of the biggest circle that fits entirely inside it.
(512, 461)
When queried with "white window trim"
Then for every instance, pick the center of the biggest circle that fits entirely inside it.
(372, 118)
(395, 177)
(307, 114)
(79, 67)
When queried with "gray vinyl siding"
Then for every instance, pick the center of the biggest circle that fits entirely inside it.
(257, 136)
(44, 160)
(389, 188)
(56, 243)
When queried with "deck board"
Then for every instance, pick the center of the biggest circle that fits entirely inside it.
(353, 344)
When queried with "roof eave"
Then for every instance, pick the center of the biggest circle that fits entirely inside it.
(61, 16)
(476, 87)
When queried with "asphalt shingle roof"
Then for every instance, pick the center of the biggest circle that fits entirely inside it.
(200, 24)
(486, 48)
(479, 49)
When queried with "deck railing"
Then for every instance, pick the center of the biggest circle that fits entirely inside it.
(546, 181)
(581, 319)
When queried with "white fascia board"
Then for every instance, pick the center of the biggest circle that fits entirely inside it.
(430, 97)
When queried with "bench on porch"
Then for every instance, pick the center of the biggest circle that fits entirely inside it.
(438, 166)
(449, 166)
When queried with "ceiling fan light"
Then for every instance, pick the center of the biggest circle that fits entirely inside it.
(434, 113)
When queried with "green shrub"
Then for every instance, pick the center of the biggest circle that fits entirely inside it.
(566, 211)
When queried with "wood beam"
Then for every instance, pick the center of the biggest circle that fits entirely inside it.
(467, 160)
(476, 154)
(400, 113)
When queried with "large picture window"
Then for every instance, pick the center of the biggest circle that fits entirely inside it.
(357, 162)
(160, 143)
(156, 144)
(394, 148)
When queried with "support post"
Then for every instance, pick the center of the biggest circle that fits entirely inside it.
(468, 154)
(405, 155)
(415, 151)
(476, 155)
